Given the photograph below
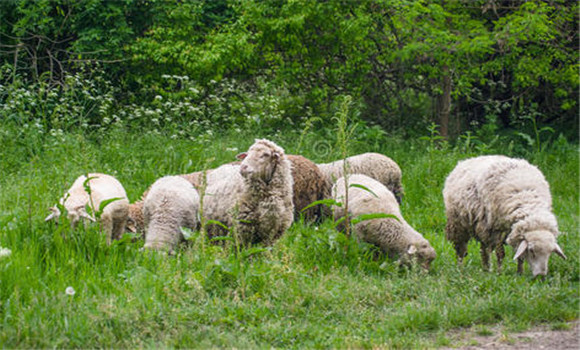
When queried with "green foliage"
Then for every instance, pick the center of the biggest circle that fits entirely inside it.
(405, 63)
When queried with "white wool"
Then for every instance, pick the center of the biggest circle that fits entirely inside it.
(497, 199)
(259, 202)
(102, 187)
(374, 165)
(171, 204)
(391, 235)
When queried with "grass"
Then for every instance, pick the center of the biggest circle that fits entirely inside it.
(307, 291)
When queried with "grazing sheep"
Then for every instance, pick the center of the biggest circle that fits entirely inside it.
(102, 187)
(391, 235)
(374, 165)
(135, 222)
(171, 203)
(254, 196)
(497, 200)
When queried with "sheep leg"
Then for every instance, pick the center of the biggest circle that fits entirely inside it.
(485, 256)
(118, 228)
(520, 266)
(460, 250)
(107, 225)
(500, 254)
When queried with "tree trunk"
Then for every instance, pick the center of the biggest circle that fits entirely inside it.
(445, 103)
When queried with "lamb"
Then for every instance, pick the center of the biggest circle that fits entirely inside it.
(254, 196)
(374, 165)
(394, 237)
(497, 200)
(102, 188)
(170, 204)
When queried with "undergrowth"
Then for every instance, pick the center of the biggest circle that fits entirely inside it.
(306, 291)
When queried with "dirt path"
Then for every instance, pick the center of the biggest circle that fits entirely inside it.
(541, 337)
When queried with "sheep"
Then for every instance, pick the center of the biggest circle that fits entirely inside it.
(374, 165)
(394, 237)
(254, 196)
(170, 204)
(102, 188)
(309, 185)
(497, 200)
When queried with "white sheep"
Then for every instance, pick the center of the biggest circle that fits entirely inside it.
(497, 200)
(374, 165)
(170, 204)
(254, 196)
(394, 237)
(102, 188)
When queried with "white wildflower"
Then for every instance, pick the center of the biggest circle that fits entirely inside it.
(4, 252)
(70, 291)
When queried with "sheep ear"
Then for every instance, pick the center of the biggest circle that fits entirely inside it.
(559, 251)
(55, 213)
(276, 155)
(130, 226)
(412, 249)
(521, 249)
(242, 156)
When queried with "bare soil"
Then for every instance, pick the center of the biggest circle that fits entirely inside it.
(540, 337)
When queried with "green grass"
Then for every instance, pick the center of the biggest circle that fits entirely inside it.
(314, 289)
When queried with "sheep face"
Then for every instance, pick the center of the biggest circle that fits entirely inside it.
(421, 252)
(536, 248)
(259, 162)
(54, 214)
(76, 214)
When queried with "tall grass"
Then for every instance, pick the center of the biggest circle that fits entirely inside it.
(307, 291)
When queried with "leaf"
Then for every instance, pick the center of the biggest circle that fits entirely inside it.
(253, 251)
(339, 221)
(220, 224)
(363, 188)
(365, 217)
(106, 202)
(186, 232)
(221, 238)
(87, 185)
(329, 202)
(526, 137)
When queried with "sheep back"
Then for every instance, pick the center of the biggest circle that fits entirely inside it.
(172, 203)
(374, 165)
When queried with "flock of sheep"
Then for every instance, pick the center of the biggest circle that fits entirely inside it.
(495, 199)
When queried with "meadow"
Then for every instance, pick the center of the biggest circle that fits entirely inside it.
(315, 288)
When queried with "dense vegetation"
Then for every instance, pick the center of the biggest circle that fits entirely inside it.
(141, 88)
(466, 65)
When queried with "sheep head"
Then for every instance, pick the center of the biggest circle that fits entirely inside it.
(421, 252)
(536, 248)
(54, 214)
(76, 214)
(261, 160)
